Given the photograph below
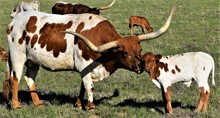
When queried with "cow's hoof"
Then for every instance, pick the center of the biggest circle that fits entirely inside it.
(91, 105)
(41, 104)
(78, 104)
(17, 107)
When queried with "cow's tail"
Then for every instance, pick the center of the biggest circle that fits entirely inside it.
(213, 72)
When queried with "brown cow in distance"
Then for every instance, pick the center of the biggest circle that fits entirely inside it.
(140, 21)
(75, 8)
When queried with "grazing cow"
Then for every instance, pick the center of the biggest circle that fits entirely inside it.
(48, 40)
(166, 70)
(3, 54)
(25, 6)
(140, 21)
(69, 8)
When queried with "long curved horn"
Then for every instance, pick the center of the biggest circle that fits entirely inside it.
(161, 30)
(94, 48)
(106, 7)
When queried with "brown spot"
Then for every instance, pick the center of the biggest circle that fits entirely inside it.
(203, 68)
(34, 40)
(20, 41)
(9, 30)
(52, 38)
(69, 24)
(80, 27)
(90, 17)
(31, 24)
(157, 73)
(177, 68)
(173, 71)
(92, 89)
(163, 66)
(102, 33)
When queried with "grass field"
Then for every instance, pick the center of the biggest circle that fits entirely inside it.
(195, 27)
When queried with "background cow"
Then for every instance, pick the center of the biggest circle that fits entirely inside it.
(140, 21)
(3, 54)
(69, 8)
(25, 6)
(166, 70)
(97, 50)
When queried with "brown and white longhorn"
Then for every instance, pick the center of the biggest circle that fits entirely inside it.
(95, 51)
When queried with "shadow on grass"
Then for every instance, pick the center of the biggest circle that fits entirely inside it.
(152, 104)
(52, 98)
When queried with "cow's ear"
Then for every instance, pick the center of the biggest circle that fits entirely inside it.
(120, 49)
(158, 57)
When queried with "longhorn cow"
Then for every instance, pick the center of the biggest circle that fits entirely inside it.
(96, 50)
(69, 8)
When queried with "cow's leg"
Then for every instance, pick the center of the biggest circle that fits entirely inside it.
(16, 64)
(80, 98)
(202, 80)
(144, 31)
(130, 27)
(14, 86)
(6, 84)
(166, 94)
(14, 81)
(203, 101)
(89, 86)
(207, 94)
(30, 76)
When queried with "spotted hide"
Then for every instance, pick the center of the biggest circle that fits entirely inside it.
(166, 70)
(85, 43)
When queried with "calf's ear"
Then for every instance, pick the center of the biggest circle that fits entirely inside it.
(158, 57)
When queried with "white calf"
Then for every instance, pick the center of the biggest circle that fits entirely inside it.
(166, 70)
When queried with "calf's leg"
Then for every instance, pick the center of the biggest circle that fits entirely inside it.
(166, 94)
(203, 101)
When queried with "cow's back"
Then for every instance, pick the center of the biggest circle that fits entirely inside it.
(38, 36)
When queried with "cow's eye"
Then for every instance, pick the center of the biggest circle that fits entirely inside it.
(125, 54)
(14, 10)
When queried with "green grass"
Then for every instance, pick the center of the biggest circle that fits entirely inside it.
(194, 27)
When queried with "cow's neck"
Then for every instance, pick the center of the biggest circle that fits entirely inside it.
(110, 61)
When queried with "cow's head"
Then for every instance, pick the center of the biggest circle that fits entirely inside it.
(150, 29)
(128, 49)
(152, 64)
(151, 61)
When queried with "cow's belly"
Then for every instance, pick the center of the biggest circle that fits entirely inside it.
(47, 60)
